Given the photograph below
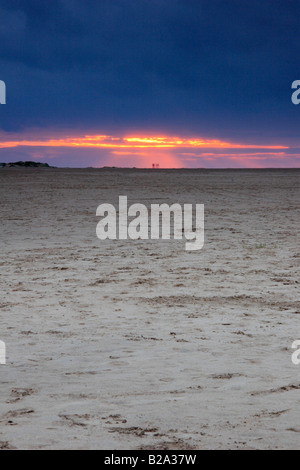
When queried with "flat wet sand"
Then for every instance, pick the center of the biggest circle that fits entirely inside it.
(140, 344)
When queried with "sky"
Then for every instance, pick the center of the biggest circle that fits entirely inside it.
(129, 83)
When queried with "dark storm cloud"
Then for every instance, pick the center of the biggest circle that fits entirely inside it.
(216, 68)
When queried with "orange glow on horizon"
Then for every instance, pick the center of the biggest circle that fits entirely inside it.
(110, 142)
(144, 151)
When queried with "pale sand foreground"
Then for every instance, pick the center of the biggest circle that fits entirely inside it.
(140, 344)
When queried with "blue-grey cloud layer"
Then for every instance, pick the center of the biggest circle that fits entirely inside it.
(208, 67)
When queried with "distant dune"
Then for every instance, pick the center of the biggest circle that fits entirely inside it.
(25, 164)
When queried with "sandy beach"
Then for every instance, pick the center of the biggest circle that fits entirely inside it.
(141, 344)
